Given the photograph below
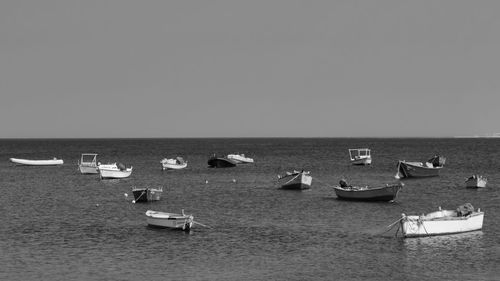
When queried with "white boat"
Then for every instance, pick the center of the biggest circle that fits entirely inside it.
(114, 171)
(476, 181)
(170, 220)
(442, 222)
(240, 158)
(360, 156)
(295, 180)
(30, 162)
(173, 164)
(88, 164)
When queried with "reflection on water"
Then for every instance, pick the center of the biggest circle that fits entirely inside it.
(444, 242)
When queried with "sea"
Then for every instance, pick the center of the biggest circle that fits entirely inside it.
(58, 224)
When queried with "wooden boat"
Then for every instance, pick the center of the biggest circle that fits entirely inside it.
(114, 171)
(295, 180)
(173, 164)
(146, 194)
(366, 193)
(220, 162)
(430, 168)
(240, 158)
(476, 181)
(360, 156)
(169, 220)
(30, 162)
(441, 222)
(88, 164)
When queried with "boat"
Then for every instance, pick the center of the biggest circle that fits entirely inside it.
(387, 192)
(170, 220)
(295, 180)
(88, 164)
(30, 162)
(442, 222)
(430, 168)
(220, 162)
(114, 171)
(240, 158)
(476, 181)
(173, 164)
(360, 156)
(146, 194)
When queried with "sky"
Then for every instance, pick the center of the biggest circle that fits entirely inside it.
(262, 68)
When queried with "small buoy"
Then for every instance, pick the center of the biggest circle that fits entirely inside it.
(126, 195)
(234, 180)
(97, 205)
(133, 201)
(206, 181)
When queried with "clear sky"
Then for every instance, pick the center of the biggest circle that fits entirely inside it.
(122, 68)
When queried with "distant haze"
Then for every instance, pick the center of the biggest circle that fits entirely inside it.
(123, 68)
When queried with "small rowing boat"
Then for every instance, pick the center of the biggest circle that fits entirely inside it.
(30, 162)
(169, 220)
(441, 222)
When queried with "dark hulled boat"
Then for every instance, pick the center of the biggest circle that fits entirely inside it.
(220, 162)
(146, 194)
(383, 193)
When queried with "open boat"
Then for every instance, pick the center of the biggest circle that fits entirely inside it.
(114, 171)
(30, 162)
(88, 164)
(295, 180)
(173, 164)
(476, 181)
(170, 220)
(430, 168)
(366, 193)
(220, 162)
(146, 194)
(441, 222)
(240, 158)
(360, 156)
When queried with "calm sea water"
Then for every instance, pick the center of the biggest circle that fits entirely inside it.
(60, 225)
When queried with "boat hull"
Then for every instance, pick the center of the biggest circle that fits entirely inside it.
(88, 169)
(169, 220)
(221, 163)
(29, 162)
(416, 170)
(415, 226)
(362, 161)
(386, 193)
(146, 194)
(167, 166)
(296, 181)
(114, 174)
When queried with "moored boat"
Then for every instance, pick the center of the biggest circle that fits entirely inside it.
(240, 158)
(146, 194)
(173, 164)
(476, 181)
(442, 222)
(430, 168)
(31, 162)
(114, 171)
(360, 156)
(169, 220)
(220, 162)
(387, 192)
(88, 163)
(295, 180)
